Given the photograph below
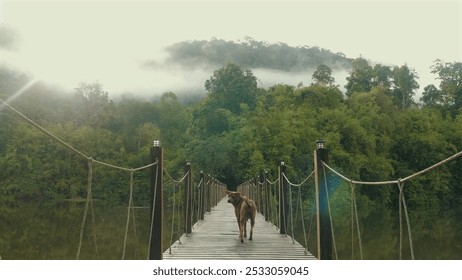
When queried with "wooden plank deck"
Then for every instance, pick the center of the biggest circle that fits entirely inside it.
(217, 237)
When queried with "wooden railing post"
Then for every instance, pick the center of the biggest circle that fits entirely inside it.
(324, 230)
(267, 195)
(213, 192)
(257, 195)
(188, 198)
(283, 207)
(156, 206)
(207, 190)
(202, 196)
(217, 192)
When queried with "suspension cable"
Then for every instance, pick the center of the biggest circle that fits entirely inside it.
(199, 198)
(303, 182)
(303, 220)
(406, 214)
(330, 213)
(272, 183)
(179, 222)
(153, 209)
(358, 182)
(312, 218)
(130, 202)
(173, 220)
(399, 180)
(291, 215)
(355, 214)
(176, 181)
(87, 204)
(134, 231)
(67, 145)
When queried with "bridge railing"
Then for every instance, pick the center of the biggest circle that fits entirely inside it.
(176, 204)
(287, 205)
(174, 207)
(326, 181)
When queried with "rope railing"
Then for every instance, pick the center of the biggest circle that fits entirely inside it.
(67, 145)
(176, 207)
(269, 193)
(330, 213)
(455, 156)
(208, 193)
(300, 202)
(298, 185)
(177, 181)
(354, 213)
(403, 209)
(199, 199)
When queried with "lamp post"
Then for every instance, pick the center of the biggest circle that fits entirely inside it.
(155, 242)
(324, 230)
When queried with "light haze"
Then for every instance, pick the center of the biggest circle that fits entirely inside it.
(64, 42)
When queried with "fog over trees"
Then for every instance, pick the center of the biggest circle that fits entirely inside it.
(375, 126)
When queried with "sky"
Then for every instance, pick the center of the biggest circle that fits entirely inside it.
(68, 42)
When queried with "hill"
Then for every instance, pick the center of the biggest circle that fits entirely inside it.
(253, 54)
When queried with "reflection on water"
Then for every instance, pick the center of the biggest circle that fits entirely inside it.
(435, 236)
(51, 231)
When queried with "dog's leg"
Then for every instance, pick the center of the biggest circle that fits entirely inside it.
(245, 229)
(241, 229)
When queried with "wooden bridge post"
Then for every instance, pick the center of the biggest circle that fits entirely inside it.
(156, 206)
(188, 198)
(207, 190)
(257, 198)
(324, 230)
(283, 190)
(214, 192)
(267, 195)
(202, 196)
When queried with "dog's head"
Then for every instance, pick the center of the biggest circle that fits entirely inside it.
(233, 197)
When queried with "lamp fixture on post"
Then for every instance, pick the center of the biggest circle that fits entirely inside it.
(320, 144)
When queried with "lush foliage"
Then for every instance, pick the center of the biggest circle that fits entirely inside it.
(377, 131)
(253, 54)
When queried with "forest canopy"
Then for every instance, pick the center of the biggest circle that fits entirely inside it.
(377, 130)
(252, 54)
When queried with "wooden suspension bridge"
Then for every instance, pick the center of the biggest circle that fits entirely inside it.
(215, 234)
(217, 237)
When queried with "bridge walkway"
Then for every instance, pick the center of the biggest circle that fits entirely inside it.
(217, 237)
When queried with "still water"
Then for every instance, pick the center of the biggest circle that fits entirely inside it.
(51, 231)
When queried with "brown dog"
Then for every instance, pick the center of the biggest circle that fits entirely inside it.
(244, 209)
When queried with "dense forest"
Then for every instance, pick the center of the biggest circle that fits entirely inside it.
(252, 54)
(375, 128)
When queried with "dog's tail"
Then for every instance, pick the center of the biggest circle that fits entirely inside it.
(249, 202)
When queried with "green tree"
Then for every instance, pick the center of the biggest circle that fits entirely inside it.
(404, 85)
(382, 76)
(431, 97)
(450, 75)
(92, 104)
(323, 75)
(231, 86)
(360, 78)
(320, 96)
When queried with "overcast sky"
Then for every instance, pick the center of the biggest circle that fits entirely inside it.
(64, 42)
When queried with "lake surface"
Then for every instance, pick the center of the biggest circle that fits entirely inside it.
(51, 231)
